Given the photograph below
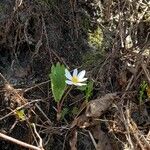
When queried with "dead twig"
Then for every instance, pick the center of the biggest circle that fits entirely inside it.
(11, 139)
(93, 140)
(40, 139)
(18, 108)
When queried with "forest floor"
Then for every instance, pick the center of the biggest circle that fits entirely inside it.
(112, 113)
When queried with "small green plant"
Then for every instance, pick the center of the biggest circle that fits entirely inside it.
(20, 114)
(88, 90)
(60, 77)
(58, 85)
(142, 95)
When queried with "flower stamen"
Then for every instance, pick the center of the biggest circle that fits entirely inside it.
(75, 79)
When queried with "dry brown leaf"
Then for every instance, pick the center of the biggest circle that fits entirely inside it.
(103, 141)
(122, 79)
(83, 122)
(14, 95)
(96, 107)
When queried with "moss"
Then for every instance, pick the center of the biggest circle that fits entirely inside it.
(95, 38)
(95, 34)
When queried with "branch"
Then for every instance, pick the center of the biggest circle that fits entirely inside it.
(11, 139)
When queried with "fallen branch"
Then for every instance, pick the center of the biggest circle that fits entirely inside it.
(11, 139)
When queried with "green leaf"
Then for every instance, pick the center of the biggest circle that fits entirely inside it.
(143, 87)
(89, 90)
(58, 78)
(21, 114)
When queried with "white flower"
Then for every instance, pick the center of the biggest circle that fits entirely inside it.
(76, 78)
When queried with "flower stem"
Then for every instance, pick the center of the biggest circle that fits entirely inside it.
(59, 105)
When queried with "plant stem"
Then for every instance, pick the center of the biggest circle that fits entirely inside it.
(59, 104)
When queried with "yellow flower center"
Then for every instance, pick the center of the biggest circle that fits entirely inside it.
(75, 79)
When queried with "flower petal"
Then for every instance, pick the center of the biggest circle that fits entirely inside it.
(75, 72)
(83, 79)
(69, 82)
(80, 84)
(67, 74)
(81, 74)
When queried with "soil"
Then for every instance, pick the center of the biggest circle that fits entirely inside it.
(34, 35)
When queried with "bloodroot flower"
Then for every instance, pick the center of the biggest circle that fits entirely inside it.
(76, 78)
